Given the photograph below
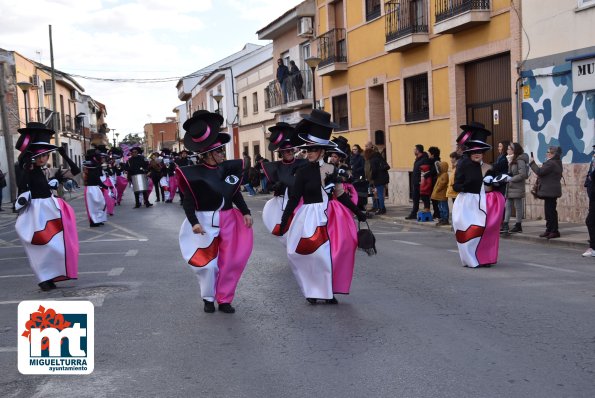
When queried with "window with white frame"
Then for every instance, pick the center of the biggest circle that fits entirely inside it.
(244, 106)
(585, 3)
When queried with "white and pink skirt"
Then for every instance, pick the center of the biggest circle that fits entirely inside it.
(47, 230)
(218, 257)
(95, 203)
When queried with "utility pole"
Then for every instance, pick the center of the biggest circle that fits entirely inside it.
(55, 114)
(7, 136)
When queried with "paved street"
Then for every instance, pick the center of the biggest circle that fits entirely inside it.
(417, 323)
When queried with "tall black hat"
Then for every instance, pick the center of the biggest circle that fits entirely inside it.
(102, 149)
(475, 131)
(116, 153)
(202, 129)
(35, 138)
(341, 146)
(315, 129)
(283, 136)
(472, 146)
(137, 148)
(220, 140)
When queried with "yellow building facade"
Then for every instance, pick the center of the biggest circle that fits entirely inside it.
(409, 72)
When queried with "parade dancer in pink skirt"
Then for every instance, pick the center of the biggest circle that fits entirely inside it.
(216, 238)
(322, 237)
(46, 224)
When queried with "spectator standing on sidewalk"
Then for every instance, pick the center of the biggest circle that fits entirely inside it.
(248, 174)
(2, 186)
(368, 152)
(379, 178)
(434, 155)
(439, 192)
(421, 158)
(450, 192)
(590, 221)
(500, 166)
(360, 183)
(549, 189)
(518, 164)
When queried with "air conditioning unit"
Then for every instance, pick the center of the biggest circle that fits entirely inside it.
(35, 80)
(47, 85)
(305, 27)
(73, 95)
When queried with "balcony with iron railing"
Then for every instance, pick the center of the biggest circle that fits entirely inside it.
(455, 15)
(332, 50)
(68, 124)
(406, 24)
(294, 93)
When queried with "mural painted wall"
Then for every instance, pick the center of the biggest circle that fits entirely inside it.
(554, 115)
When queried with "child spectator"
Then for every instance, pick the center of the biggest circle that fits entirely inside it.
(439, 192)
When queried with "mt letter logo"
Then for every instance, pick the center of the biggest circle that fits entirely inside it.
(56, 337)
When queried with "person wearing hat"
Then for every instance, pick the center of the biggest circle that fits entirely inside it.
(322, 237)
(338, 157)
(138, 165)
(119, 172)
(95, 199)
(109, 192)
(168, 181)
(181, 161)
(215, 238)
(46, 224)
(476, 215)
(280, 173)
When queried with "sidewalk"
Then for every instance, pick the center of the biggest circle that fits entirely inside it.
(571, 235)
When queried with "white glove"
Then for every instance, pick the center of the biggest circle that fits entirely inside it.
(502, 178)
(488, 180)
(329, 188)
(53, 183)
(23, 200)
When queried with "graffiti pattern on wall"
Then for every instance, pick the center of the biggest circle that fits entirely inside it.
(554, 115)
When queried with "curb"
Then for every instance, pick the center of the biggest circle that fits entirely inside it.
(558, 242)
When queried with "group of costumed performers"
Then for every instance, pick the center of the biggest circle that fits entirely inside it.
(46, 224)
(216, 239)
(478, 209)
(281, 174)
(95, 198)
(168, 181)
(321, 234)
(118, 173)
(137, 168)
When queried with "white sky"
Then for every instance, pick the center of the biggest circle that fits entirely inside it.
(134, 39)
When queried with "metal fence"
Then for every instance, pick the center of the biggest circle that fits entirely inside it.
(294, 88)
(449, 8)
(332, 47)
(405, 17)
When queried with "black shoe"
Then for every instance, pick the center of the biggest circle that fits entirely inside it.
(411, 217)
(332, 301)
(158, 200)
(136, 206)
(381, 211)
(311, 300)
(517, 228)
(46, 285)
(209, 306)
(94, 225)
(227, 308)
(149, 204)
(168, 201)
(545, 234)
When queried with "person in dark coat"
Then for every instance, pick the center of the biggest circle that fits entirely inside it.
(421, 158)
(500, 166)
(550, 188)
(137, 164)
(296, 79)
(282, 77)
(380, 178)
(434, 155)
(590, 220)
(357, 163)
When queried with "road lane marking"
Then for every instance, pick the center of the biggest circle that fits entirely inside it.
(112, 272)
(453, 251)
(80, 254)
(9, 349)
(116, 271)
(551, 268)
(96, 300)
(131, 253)
(407, 242)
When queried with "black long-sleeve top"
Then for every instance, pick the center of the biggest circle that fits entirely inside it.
(137, 165)
(171, 169)
(307, 186)
(94, 173)
(117, 170)
(468, 176)
(35, 181)
(209, 186)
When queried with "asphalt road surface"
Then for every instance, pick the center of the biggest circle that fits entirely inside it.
(416, 324)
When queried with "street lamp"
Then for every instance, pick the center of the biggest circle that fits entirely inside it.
(113, 135)
(218, 97)
(313, 63)
(116, 139)
(25, 86)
